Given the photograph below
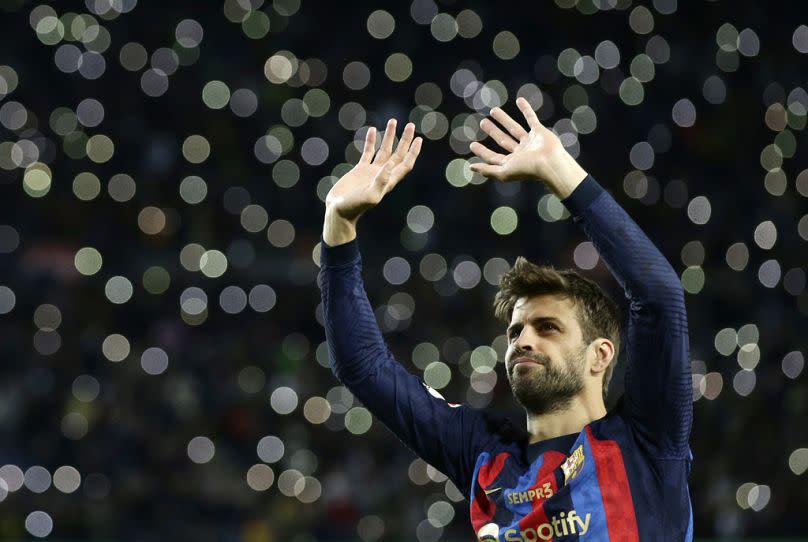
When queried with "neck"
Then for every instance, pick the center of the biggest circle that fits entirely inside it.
(572, 419)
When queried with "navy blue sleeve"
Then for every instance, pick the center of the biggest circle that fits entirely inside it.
(658, 397)
(448, 437)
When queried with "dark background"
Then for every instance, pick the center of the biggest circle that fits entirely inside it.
(130, 443)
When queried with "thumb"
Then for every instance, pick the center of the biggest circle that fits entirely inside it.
(487, 170)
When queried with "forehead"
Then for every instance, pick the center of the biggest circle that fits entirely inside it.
(545, 305)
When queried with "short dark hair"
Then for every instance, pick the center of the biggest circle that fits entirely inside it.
(598, 314)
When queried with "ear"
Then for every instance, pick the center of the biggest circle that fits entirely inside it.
(604, 354)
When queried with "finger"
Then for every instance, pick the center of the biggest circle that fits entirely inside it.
(503, 140)
(487, 170)
(513, 127)
(387, 143)
(412, 153)
(487, 154)
(530, 115)
(370, 144)
(405, 142)
(402, 168)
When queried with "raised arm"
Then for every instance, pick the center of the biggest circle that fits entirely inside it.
(360, 359)
(658, 383)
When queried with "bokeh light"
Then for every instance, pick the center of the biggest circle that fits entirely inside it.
(160, 248)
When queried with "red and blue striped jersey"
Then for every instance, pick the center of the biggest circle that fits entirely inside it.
(622, 478)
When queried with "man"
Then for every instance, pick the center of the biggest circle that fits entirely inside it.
(582, 472)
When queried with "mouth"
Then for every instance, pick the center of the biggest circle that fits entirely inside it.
(523, 361)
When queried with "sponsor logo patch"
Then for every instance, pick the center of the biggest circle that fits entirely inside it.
(564, 524)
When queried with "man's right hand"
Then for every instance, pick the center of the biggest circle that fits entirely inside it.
(364, 186)
(536, 154)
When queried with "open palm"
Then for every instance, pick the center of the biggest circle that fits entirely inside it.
(527, 150)
(376, 173)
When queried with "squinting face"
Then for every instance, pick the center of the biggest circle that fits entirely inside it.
(546, 356)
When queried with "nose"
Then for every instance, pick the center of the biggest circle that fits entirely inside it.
(526, 340)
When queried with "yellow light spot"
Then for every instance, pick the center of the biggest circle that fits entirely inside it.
(317, 101)
(381, 24)
(256, 25)
(798, 461)
(115, 347)
(100, 148)
(216, 94)
(190, 256)
(693, 279)
(280, 67)
(506, 45)
(75, 145)
(196, 149)
(86, 186)
(458, 172)
(88, 261)
(504, 220)
(317, 410)
(213, 263)
(156, 280)
(358, 420)
(437, 375)
(632, 91)
(398, 67)
(151, 220)
(37, 180)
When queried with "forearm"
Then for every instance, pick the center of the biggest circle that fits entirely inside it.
(337, 230)
(635, 262)
(354, 339)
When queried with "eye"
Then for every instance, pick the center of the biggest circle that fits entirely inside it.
(547, 326)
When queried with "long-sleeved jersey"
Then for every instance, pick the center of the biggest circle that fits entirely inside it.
(622, 478)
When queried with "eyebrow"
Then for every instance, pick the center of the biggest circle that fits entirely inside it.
(533, 321)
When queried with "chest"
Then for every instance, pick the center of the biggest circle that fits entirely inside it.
(567, 492)
(509, 484)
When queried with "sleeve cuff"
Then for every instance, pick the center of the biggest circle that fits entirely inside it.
(584, 194)
(343, 254)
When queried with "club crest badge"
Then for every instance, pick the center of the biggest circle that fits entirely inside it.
(574, 464)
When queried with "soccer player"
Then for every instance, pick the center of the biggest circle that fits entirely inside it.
(580, 472)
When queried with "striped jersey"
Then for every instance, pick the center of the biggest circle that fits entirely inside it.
(622, 478)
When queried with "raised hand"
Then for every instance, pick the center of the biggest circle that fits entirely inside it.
(536, 154)
(362, 188)
(376, 173)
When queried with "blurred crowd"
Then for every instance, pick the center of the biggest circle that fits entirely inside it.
(163, 371)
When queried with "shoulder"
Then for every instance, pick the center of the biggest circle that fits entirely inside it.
(616, 426)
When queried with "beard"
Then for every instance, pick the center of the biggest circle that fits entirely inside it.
(550, 388)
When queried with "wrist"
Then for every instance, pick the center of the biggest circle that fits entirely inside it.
(336, 229)
(562, 174)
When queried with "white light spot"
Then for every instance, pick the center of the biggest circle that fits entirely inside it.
(283, 400)
(270, 449)
(154, 361)
(201, 450)
(699, 210)
(39, 524)
(396, 270)
(684, 113)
